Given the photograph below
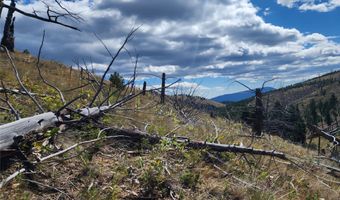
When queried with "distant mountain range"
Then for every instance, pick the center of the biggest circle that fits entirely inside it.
(239, 96)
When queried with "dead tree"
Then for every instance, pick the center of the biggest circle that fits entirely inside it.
(52, 16)
(163, 89)
(258, 114)
(144, 87)
(8, 32)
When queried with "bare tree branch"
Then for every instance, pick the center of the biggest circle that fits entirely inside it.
(19, 80)
(12, 109)
(245, 86)
(42, 78)
(127, 39)
(52, 16)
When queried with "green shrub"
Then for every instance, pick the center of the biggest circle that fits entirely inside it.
(189, 179)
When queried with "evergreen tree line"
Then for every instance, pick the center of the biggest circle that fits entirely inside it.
(323, 112)
(286, 121)
(290, 121)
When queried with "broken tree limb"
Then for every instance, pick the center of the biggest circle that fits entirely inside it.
(49, 18)
(16, 91)
(234, 148)
(197, 144)
(318, 132)
(12, 176)
(328, 158)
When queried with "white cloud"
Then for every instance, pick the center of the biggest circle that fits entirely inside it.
(266, 12)
(313, 5)
(190, 39)
(168, 69)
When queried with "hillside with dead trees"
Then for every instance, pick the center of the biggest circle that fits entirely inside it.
(67, 133)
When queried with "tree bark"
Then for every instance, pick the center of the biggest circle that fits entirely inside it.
(258, 118)
(8, 33)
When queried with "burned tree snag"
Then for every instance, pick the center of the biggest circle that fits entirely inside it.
(258, 115)
(163, 89)
(144, 88)
(8, 33)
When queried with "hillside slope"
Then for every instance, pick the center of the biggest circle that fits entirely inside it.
(127, 169)
(319, 88)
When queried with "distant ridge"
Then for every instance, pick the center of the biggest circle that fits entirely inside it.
(239, 96)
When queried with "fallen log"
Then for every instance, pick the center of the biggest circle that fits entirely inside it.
(318, 132)
(38, 123)
(194, 144)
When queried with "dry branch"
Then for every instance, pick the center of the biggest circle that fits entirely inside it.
(127, 39)
(19, 80)
(40, 75)
(12, 109)
(50, 18)
(198, 144)
(16, 91)
(318, 132)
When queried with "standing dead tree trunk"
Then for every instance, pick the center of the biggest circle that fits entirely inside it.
(258, 115)
(163, 89)
(8, 32)
(144, 87)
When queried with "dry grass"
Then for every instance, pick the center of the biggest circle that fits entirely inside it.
(128, 170)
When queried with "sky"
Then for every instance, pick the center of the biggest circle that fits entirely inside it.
(206, 43)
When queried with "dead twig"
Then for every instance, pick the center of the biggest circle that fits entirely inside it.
(6, 100)
(19, 80)
(42, 78)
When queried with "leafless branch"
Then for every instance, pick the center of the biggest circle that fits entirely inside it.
(42, 78)
(12, 109)
(52, 16)
(19, 80)
(127, 39)
(244, 86)
(264, 83)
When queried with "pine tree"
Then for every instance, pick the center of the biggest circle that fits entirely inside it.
(297, 128)
(117, 80)
(311, 115)
(334, 107)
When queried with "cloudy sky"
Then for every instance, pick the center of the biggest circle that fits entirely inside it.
(209, 43)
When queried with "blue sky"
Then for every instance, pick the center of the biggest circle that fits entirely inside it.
(206, 43)
(325, 23)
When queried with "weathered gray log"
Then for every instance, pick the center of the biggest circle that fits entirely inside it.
(37, 123)
(24, 126)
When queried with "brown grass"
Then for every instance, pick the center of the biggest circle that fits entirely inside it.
(126, 170)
